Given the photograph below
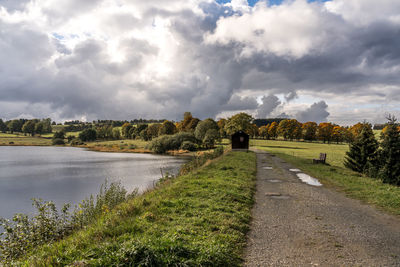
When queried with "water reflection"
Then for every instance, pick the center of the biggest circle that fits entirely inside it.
(65, 174)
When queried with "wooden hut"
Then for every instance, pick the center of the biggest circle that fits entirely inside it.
(240, 140)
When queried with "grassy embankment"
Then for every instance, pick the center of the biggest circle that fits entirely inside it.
(355, 185)
(199, 219)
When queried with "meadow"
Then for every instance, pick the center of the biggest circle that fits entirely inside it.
(307, 150)
(7, 139)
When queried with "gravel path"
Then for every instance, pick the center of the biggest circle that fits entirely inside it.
(296, 224)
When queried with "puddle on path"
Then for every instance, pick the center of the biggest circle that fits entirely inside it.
(295, 170)
(308, 179)
(274, 181)
(267, 168)
(280, 197)
(276, 195)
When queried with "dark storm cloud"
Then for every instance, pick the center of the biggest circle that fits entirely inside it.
(269, 103)
(152, 59)
(316, 112)
(13, 5)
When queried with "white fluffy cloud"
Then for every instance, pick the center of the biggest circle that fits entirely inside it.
(127, 59)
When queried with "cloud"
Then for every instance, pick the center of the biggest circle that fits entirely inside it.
(156, 59)
(269, 103)
(292, 95)
(240, 103)
(316, 112)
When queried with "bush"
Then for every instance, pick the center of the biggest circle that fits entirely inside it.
(76, 142)
(88, 135)
(59, 135)
(58, 141)
(70, 138)
(187, 145)
(162, 144)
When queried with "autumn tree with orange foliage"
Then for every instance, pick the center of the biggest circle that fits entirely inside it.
(325, 132)
(295, 129)
(188, 124)
(283, 129)
(263, 131)
(273, 130)
(310, 131)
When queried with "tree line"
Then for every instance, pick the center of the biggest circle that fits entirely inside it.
(32, 127)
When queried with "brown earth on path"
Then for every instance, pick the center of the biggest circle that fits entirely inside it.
(296, 224)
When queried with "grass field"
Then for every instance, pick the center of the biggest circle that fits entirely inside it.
(335, 152)
(200, 219)
(24, 141)
(126, 145)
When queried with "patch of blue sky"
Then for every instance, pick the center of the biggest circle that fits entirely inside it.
(58, 36)
(271, 2)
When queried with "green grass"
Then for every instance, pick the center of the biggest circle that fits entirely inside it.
(355, 185)
(4, 135)
(200, 219)
(335, 152)
(124, 143)
(24, 141)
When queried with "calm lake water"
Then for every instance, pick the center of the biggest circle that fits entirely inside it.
(69, 175)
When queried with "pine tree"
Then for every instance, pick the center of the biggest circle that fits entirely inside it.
(362, 154)
(390, 155)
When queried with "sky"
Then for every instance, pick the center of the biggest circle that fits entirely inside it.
(336, 61)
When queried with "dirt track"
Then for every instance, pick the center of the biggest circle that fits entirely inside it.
(296, 224)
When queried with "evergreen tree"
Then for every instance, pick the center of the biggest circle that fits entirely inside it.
(362, 155)
(390, 153)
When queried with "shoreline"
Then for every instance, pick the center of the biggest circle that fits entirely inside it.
(179, 153)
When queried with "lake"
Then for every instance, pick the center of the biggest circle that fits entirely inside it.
(69, 175)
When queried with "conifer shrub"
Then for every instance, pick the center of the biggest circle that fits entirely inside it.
(363, 156)
(390, 154)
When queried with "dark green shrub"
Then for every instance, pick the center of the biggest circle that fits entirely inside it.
(162, 144)
(363, 151)
(390, 154)
(59, 135)
(76, 142)
(70, 138)
(187, 145)
(58, 141)
(88, 135)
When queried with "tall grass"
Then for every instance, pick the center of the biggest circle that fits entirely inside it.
(23, 233)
